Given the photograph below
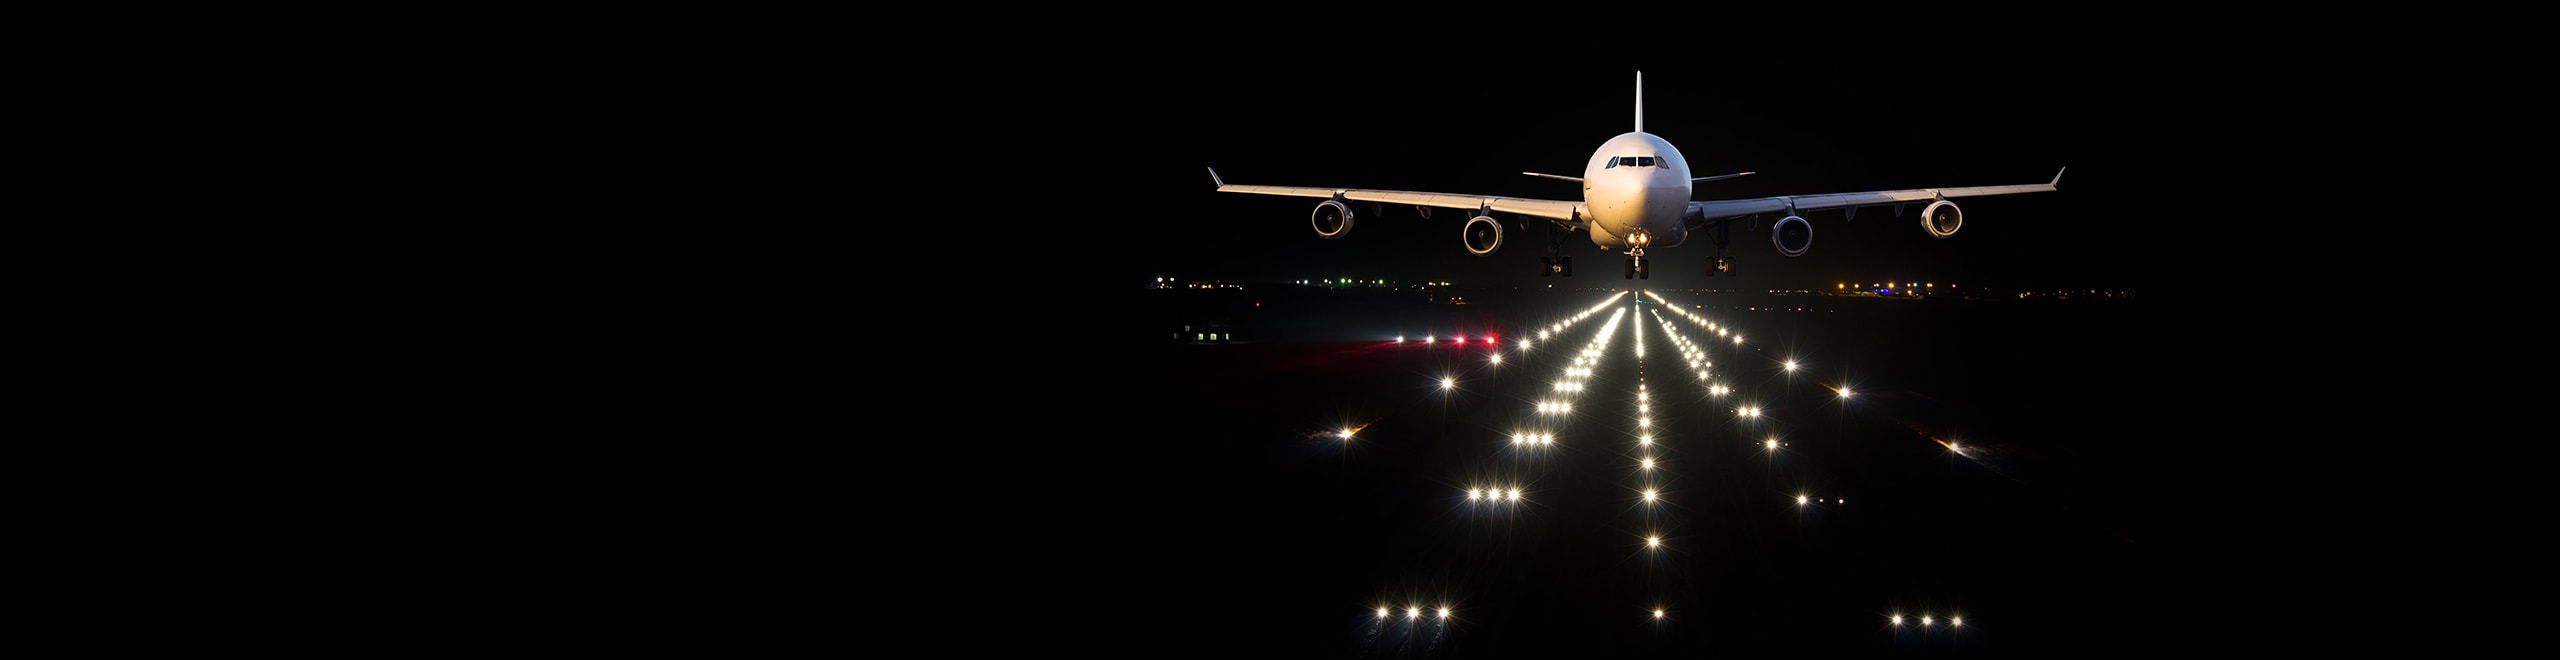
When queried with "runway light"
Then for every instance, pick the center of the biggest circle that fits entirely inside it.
(1648, 464)
(1382, 612)
(1800, 500)
(1515, 494)
(1446, 383)
(1955, 622)
(1845, 393)
(1924, 621)
(1772, 444)
(1497, 358)
(1657, 613)
(1444, 612)
(1426, 339)
(1399, 339)
(1413, 612)
(1897, 619)
(1346, 434)
(1645, 440)
(1791, 365)
(1652, 541)
(1649, 495)
(1737, 340)
(1474, 494)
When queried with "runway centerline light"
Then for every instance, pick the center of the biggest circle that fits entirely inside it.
(1444, 612)
(1955, 621)
(1382, 612)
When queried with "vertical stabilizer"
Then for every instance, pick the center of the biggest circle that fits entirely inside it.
(1639, 101)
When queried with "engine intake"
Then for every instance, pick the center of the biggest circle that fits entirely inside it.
(1332, 219)
(1942, 218)
(1793, 235)
(1483, 235)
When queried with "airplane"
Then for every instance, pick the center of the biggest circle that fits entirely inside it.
(1635, 195)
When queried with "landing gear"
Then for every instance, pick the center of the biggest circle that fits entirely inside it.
(1639, 269)
(1722, 265)
(1555, 263)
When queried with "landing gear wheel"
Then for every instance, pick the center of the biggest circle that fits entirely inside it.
(1546, 266)
(1567, 268)
(1644, 270)
(1631, 269)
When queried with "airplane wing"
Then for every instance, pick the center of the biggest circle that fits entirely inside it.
(1563, 212)
(1717, 209)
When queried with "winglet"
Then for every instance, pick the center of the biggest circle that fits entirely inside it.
(2057, 176)
(1222, 183)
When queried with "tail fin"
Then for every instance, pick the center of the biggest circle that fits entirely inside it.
(1639, 101)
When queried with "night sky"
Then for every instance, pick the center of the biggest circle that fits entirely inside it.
(1808, 115)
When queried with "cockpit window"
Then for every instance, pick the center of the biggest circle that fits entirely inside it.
(1645, 161)
(1630, 161)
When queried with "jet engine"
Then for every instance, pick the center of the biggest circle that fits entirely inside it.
(1483, 235)
(1792, 235)
(1332, 219)
(1942, 218)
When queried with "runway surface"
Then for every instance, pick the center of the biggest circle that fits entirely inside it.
(1983, 463)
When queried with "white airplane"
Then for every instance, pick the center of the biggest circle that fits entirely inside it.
(1635, 195)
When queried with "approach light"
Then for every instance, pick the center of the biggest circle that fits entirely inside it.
(1800, 500)
(1474, 494)
(1791, 365)
(1897, 619)
(1955, 621)
(1413, 612)
(1444, 612)
(1446, 383)
(1382, 612)
(1648, 495)
(1657, 613)
(1648, 464)
(1515, 494)
(1773, 444)
(1924, 621)
(1845, 393)
(1652, 541)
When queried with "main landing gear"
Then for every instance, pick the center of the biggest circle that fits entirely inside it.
(1723, 263)
(1555, 263)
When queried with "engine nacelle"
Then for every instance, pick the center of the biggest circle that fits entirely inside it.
(1942, 218)
(1332, 219)
(1483, 235)
(1793, 235)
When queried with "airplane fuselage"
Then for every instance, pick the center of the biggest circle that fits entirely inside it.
(1636, 187)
